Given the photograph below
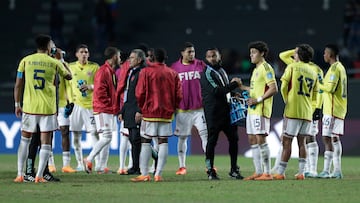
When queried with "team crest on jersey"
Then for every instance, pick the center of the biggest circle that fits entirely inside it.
(332, 77)
(269, 75)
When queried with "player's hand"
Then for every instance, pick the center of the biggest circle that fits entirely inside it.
(317, 114)
(120, 117)
(251, 101)
(138, 117)
(18, 112)
(84, 88)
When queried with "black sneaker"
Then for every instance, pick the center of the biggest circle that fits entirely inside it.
(235, 173)
(49, 177)
(133, 171)
(212, 175)
(29, 178)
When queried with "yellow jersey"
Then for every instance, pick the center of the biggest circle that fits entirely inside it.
(86, 73)
(39, 71)
(261, 77)
(335, 91)
(299, 89)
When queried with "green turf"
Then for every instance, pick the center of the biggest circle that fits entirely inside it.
(194, 187)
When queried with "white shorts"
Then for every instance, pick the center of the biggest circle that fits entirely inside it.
(62, 121)
(257, 125)
(47, 123)
(185, 121)
(314, 128)
(149, 130)
(82, 117)
(124, 131)
(104, 122)
(295, 127)
(332, 126)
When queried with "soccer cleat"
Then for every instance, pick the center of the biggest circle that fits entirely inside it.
(133, 171)
(68, 169)
(141, 178)
(87, 166)
(324, 174)
(52, 168)
(29, 178)
(235, 173)
(300, 177)
(264, 176)
(212, 175)
(337, 175)
(122, 172)
(252, 177)
(50, 178)
(80, 168)
(158, 179)
(181, 171)
(279, 177)
(40, 180)
(310, 175)
(19, 179)
(104, 171)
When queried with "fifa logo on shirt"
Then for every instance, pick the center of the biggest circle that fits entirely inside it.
(191, 75)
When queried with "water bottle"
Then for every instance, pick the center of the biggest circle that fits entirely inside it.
(80, 83)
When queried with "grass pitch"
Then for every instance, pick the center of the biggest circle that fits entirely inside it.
(193, 187)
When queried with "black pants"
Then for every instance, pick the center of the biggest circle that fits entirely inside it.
(33, 149)
(135, 140)
(213, 135)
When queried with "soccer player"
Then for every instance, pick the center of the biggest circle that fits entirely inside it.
(299, 89)
(215, 90)
(190, 112)
(312, 147)
(124, 146)
(130, 109)
(262, 89)
(335, 107)
(104, 103)
(158, 93)
(82, 87)
(36, 76)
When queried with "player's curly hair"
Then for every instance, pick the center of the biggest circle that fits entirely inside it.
(305, 52)
(261, 46)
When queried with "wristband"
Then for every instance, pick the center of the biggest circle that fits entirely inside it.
(92, 87)
(17, 104)
(259, 99)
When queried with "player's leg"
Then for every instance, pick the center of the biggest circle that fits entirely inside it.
(164, 131)
(135, 140)
(76, 124)
(251, 129)
(33, 149)
(64, 124)
(232, 136)
(213, 135)
(328, 123)
(182, 131)
(104, 123)
(338, 130)
(124, 139)
(51, 162)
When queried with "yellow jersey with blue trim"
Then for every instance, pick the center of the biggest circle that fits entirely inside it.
(299, 89)
(82, 73)
(262, 76)
(39, 71)
(334, 89)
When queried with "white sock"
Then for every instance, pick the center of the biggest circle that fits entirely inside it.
(162, 157)
(77, 148)
(337, 156)
(204, 137)
(105, 138)
(22, 154)
(51, 159)
(145, 156)
(130, 164)
(265, 157)
(256, 158)
(328, 156)
(104, 156)
(66, 158)
(44, 154)
(94, 139)
(302, 162)
(277, 160)
(182, 148)
(312, 156)
(122, 151)
(282, 167)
